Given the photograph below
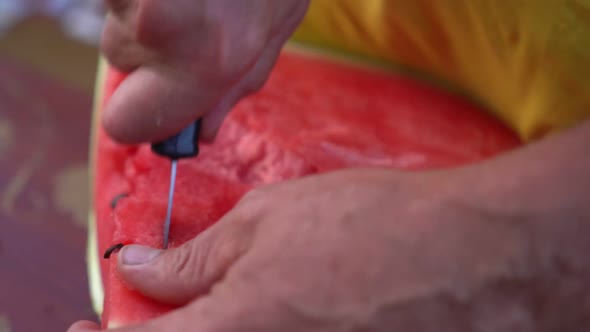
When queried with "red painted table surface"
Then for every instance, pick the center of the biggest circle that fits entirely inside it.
(44, 138)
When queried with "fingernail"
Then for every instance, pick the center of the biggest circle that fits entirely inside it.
(138, 255)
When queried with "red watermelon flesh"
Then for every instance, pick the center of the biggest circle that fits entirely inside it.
(313, 116)
(201, 199)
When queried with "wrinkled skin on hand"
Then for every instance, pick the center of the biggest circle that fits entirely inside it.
(502, 247)
(193, 58)
(355, 250)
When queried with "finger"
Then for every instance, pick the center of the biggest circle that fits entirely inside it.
(159, 24)
(227, 309)
(254, 80)
(119, 7)
(84, 326)
(213, 120)
(120, 47)
(156, 23)
(154, 103)
(179, 275)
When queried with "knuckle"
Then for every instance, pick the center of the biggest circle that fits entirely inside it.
(116, 6)
(144, 23)
(146, 31)
(226, 64)
(236, 53)
(165, 24)
(109, 38)
(117, 46)
(254, 197)
(226, 251)
(255, 85)
(221, 75)
(249, 209)
(186, 262)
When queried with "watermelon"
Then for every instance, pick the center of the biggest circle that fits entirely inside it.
(314, 115)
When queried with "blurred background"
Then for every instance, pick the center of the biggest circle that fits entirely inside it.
(48, 58)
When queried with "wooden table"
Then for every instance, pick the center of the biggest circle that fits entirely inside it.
(44, 138)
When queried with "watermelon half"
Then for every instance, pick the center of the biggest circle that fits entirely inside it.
(314, 115)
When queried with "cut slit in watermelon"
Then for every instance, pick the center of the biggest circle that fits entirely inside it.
(313, 116)
(113, 249)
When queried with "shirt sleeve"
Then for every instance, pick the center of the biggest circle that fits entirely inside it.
(526, 61)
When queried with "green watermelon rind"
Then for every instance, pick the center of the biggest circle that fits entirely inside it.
(95, 281)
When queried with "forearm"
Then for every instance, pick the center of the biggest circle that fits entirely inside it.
(543, 191)
(549, 179)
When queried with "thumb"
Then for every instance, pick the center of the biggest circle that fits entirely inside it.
(84, 326)
(177, 276)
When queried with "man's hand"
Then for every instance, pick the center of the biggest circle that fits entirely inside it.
(355, 250)
(500, 246)
(188, 59)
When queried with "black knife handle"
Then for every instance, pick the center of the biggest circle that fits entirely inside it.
(183, 145)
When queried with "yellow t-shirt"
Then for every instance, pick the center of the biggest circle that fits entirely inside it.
(528, 61)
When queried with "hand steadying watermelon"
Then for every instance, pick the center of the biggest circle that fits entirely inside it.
(314, 115)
